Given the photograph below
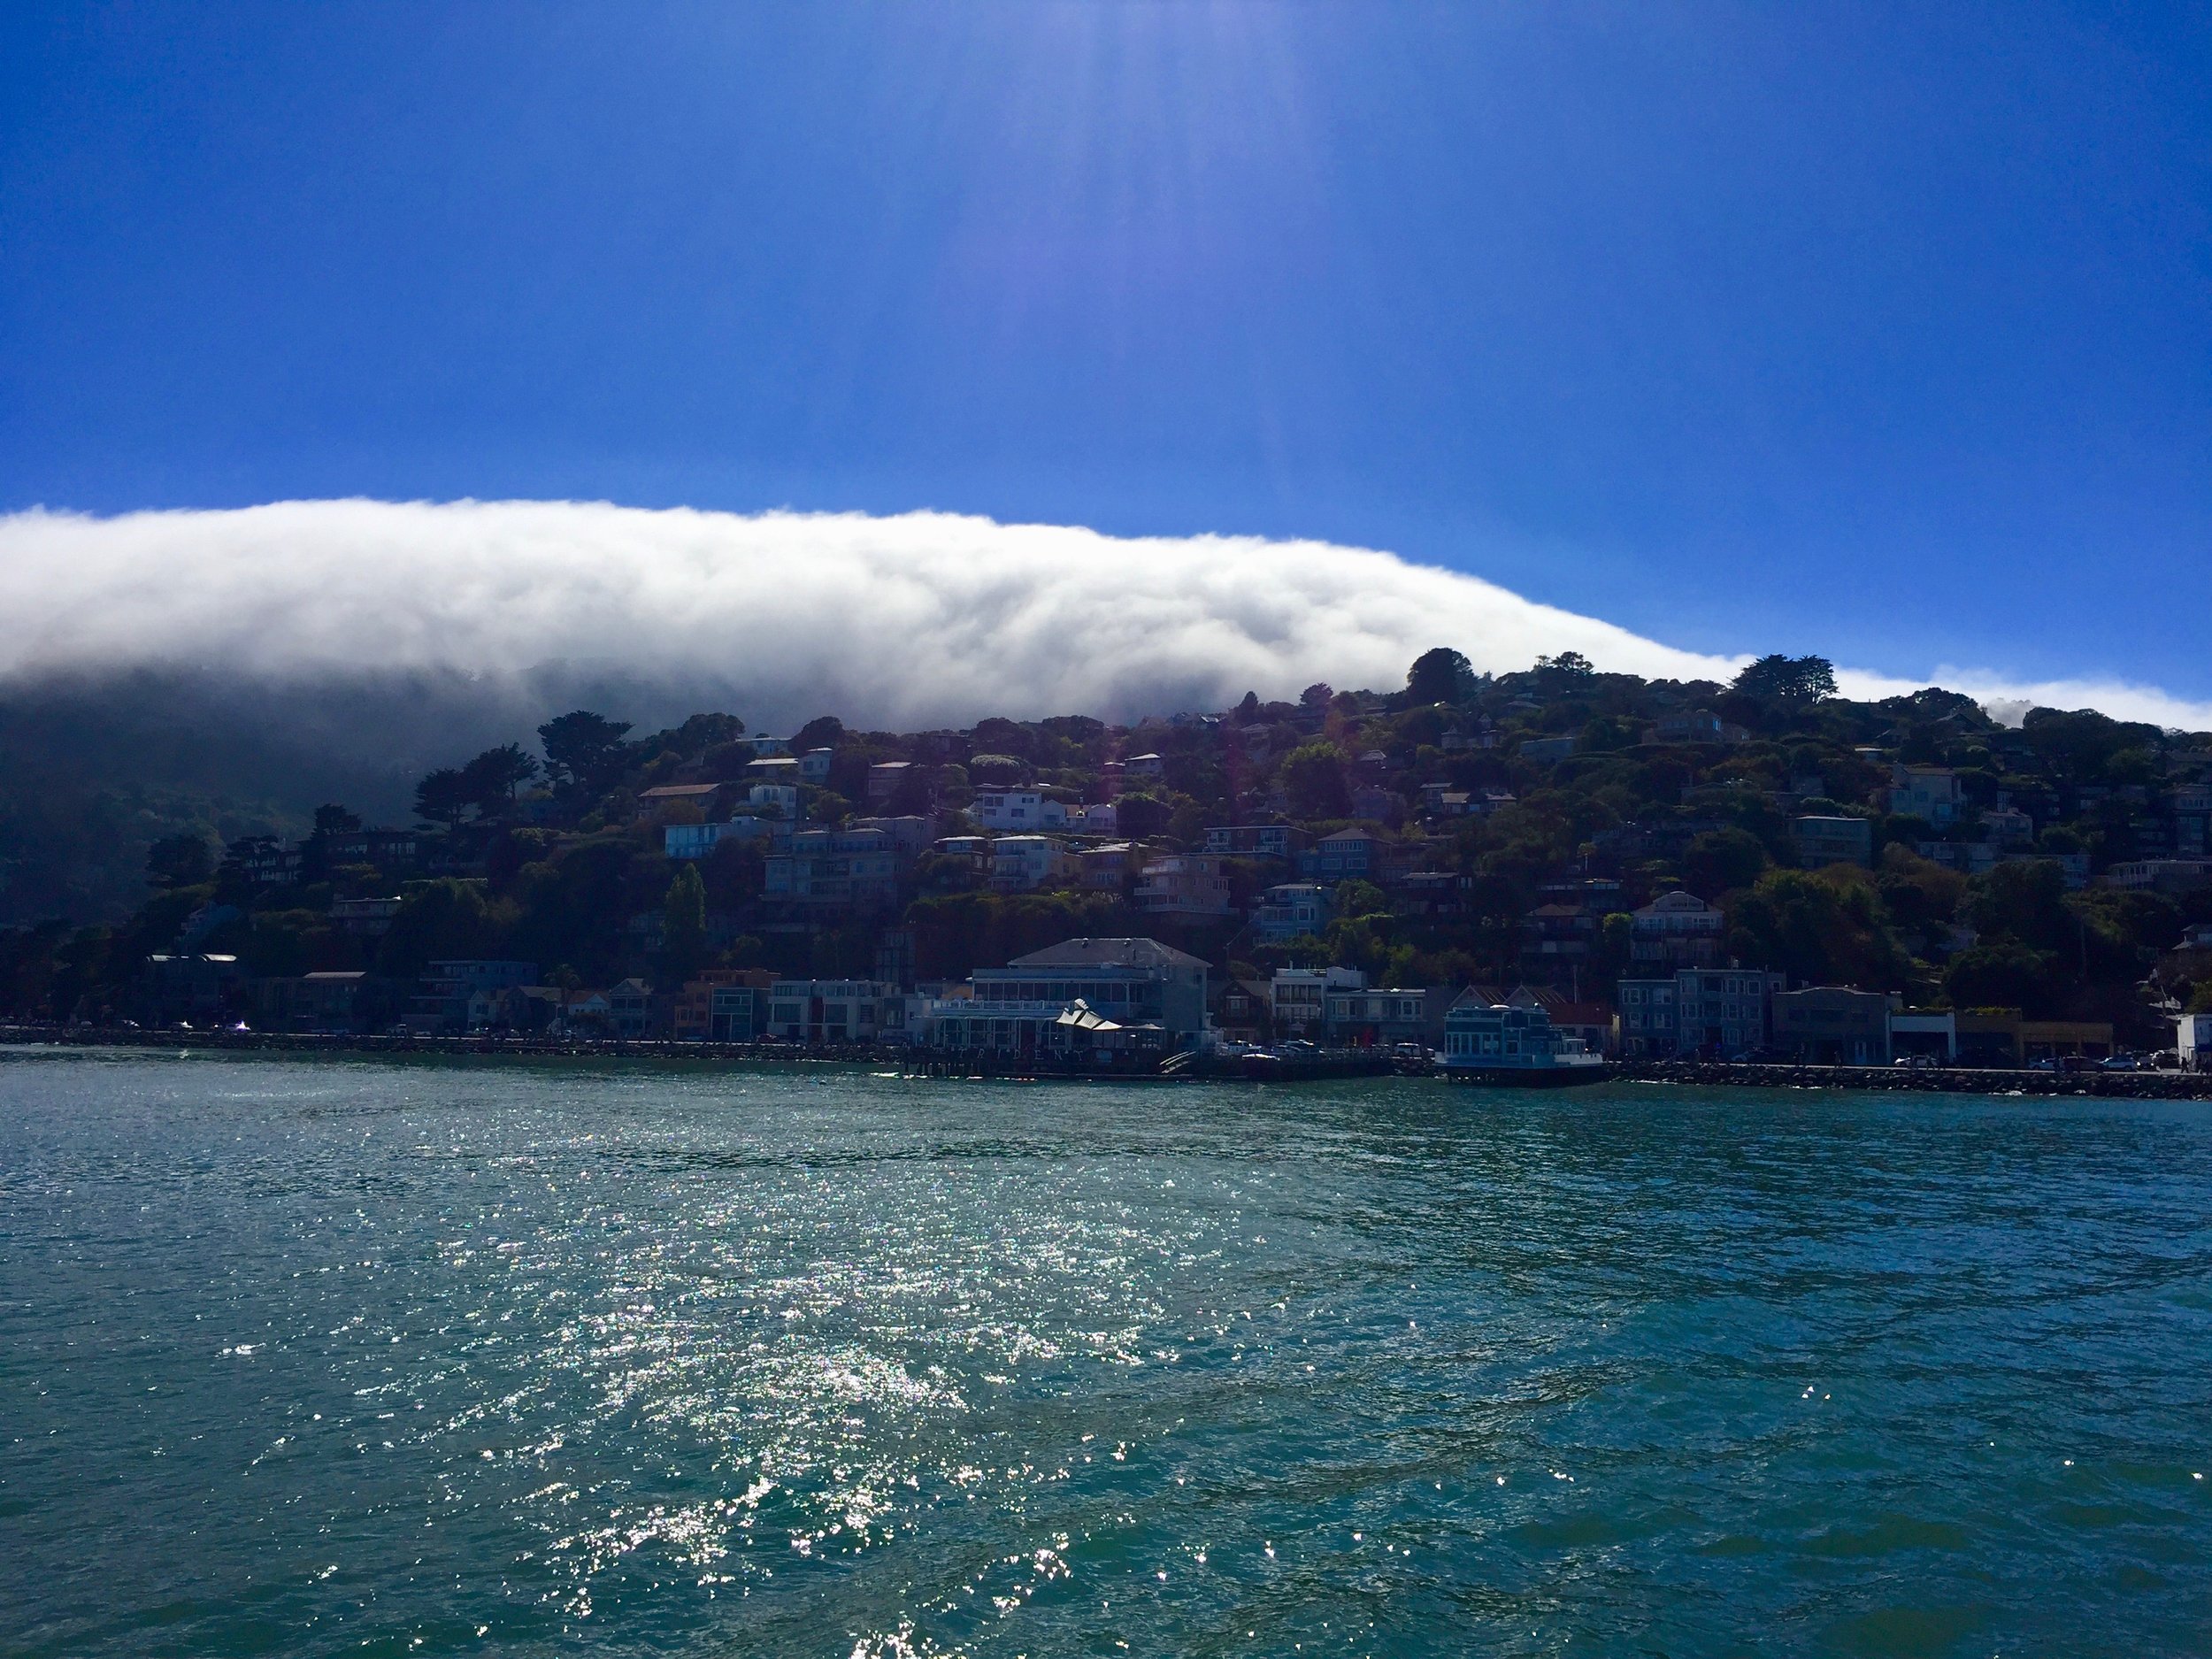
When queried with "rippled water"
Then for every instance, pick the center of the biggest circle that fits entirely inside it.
(301, 1358)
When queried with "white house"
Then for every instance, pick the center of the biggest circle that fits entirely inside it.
(1298, 998)
(1020, 863)
(1025, 810)
(783, 796)
(2192, 1037)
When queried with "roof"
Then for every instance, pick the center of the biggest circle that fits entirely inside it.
(1479, 996)
(1677, 899)
(678, 791)
(1079, 1015)
(329, 977)
(1109, 953)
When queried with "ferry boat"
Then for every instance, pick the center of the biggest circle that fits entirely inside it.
(1516, 1047)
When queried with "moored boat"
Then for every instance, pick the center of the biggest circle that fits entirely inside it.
(1516, 1047)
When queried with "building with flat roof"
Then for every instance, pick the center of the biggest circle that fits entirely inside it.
(1831, 1024)
(1833, 841)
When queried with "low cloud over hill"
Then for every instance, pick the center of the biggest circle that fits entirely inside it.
(919, 619)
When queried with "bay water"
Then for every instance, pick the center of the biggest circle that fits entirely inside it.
(397, 1358)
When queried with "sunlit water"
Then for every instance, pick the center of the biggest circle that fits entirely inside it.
(368, 1358)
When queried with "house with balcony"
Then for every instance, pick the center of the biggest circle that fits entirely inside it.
(1348, 855)
(1931, 793)
(1293, 910)
(700, 1012)
(886, 778)
(1189, 886)
(1017, 810)
(1699, 726)
(1718, 1013)
(1241, 1012)
(844, 869)
(1282, 841)
(818, 1011)
(1676, 930)
(1021, 863)
(1379, 1017)
(1147, 991)
(1298, 999)
(1833, 841)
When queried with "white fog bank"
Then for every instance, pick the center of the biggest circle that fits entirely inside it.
(912, 620)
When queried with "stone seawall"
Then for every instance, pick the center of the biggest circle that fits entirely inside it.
(1924, 1080)
(968, 1063)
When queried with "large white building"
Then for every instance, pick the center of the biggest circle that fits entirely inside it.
(1140, 986)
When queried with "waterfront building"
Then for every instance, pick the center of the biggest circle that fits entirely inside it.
(1131, 983)
(1717, 1012)
(826, 1011)
(1377, 1016)
(1831, 1024)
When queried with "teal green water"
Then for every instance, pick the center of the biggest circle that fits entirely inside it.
(367, 1358)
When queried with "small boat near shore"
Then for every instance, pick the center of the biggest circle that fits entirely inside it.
(1514, 1048)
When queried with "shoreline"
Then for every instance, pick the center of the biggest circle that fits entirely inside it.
(956, 1064)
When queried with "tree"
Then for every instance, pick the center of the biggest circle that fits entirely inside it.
(442, 920)
(1355, 898)
(493, 777)
(1921, 893)
(2023, 899)
(583, 750)
(1822, 927)
(2078, 744)
(684, 919)
(1569, 667)
(333, 819)
(443, 797)
(823, 731)
(1141, 815)
(180, 861)
(1794, 682)
(2004, 974)
(1442, 675)
(1722, 860)
(1313, 776)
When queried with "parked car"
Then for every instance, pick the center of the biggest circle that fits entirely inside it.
(2119, 1062)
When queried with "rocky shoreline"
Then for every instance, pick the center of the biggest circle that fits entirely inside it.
(1709, 1074)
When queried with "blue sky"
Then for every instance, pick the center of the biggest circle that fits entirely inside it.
(1883, 333)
